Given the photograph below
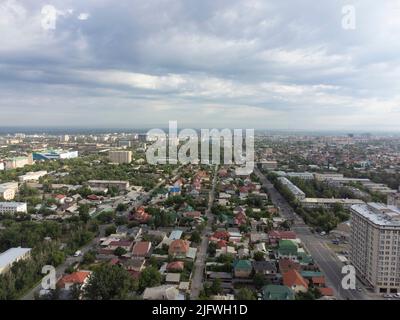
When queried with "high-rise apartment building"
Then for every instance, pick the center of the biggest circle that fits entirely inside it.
(375, 245)
(120, 156)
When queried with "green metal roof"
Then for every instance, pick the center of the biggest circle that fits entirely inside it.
(277, 292)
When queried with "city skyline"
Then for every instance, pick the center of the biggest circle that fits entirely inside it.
(253, 64)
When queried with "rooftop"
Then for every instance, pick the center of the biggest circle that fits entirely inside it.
(11, 255)
(379, 214)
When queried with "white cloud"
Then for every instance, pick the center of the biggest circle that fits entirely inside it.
(83, 16)
(260, 63)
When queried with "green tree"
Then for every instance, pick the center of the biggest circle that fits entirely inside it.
(84, 212)
(119, 251)
(245, 294)
(110, 230)
(196, 238)
(259, 256)
(150, 277)
(89, 257)
(122, 207)
(259, 280)
(109, 283)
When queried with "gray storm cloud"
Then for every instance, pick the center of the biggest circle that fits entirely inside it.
(255, 64)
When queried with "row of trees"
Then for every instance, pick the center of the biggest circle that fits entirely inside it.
(320, 218)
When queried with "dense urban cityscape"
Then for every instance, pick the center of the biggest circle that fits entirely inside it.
(114, 226)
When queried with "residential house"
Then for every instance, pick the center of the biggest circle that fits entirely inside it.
(124, 244)
(287, 249)
(173, 278)
(277, 292)
(141, 215)
(179, 248)
(175, 266)
(164, 292)
(286, 264)
(267, 268)
(141, 249)
(134, 264)
(275, 236)
(76, 278)
(295, 281)
(242, 268)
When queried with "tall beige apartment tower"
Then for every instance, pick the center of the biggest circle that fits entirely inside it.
(120, 156)
(375, 245)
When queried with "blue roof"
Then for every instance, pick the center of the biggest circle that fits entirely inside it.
(176, 235)
(175, 189)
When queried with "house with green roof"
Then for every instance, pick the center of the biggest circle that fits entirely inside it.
(277, 292)
(242, 268)
(304, 258)
(287, 249)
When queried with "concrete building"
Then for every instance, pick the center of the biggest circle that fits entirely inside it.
(378, 188)
(18, 162)
(32, 176)
(54, 155)
(296, 191)
(8, 190)
(11, 256)
(120, 185)
(393, 199)
(300, 175)
(329, 202)
(375, 245)
(13, 207)
(269, 164)
(120, 156)
(64, 138)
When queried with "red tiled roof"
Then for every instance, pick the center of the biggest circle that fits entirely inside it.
(318, 280)
(287, 264)
(222, 235)
(141, 248)
(76, 277)
(178, 246)
(282, 234)
(221, 244)
(126, 243)
(326, 291)
(194, 214)
(175, 265)
(293, 277)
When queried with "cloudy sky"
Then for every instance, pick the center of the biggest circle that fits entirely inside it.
(285, 64)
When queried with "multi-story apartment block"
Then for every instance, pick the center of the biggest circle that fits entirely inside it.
(120, 156)
(8, 190)
(13, 207)
(375, 245)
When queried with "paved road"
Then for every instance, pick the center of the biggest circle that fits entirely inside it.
(60, 270)
(201, 256)
(325, 258)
